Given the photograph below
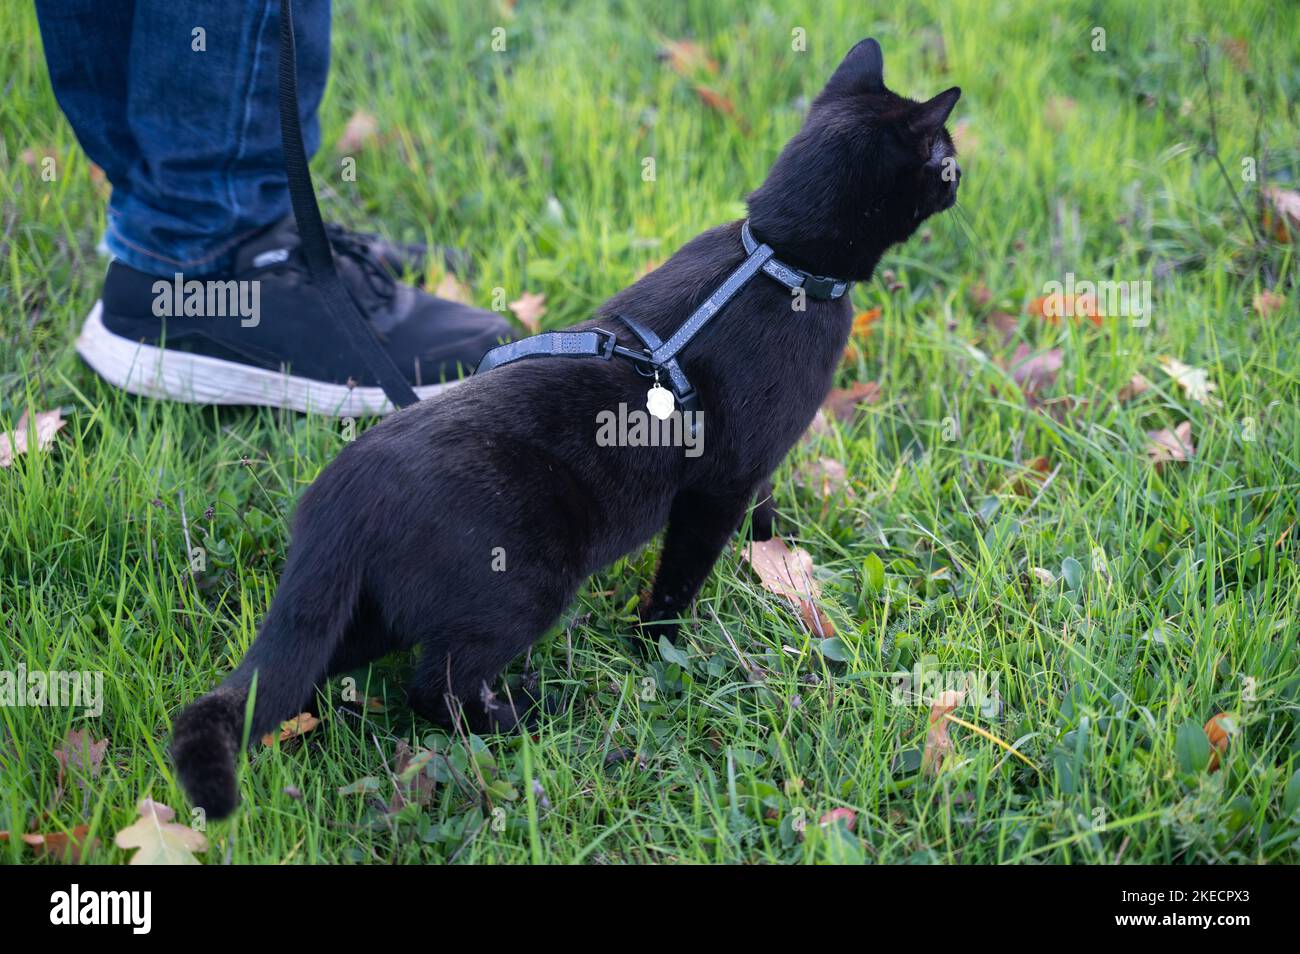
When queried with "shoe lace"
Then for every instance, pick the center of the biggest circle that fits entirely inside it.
(354, 246)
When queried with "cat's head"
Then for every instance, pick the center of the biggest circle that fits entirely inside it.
(867, 168)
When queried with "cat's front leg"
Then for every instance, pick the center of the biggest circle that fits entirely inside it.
(699, 526)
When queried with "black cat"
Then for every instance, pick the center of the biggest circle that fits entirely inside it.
(465, 525)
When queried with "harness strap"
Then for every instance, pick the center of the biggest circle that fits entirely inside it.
(681, 387)
(713, 304)
(662, 355)
(551, 344)
(348, 320)
(816, 286)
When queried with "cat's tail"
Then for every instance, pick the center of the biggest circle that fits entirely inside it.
(305, 626)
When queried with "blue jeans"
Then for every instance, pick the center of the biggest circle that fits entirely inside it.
(176, 101)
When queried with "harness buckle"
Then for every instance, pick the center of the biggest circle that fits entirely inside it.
(608, 341)
(818, 286)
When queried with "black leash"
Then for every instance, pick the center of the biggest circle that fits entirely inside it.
(662, 355)
(348, 320)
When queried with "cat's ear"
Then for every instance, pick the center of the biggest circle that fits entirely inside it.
(930, 116)
(863, 69)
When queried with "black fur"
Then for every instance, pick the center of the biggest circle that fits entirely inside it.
(393, 546)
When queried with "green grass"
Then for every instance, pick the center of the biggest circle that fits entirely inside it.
(532, 158)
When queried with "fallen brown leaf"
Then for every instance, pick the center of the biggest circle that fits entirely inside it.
(846, 815)
(938, 743)
(1035, 372)
(1282, 216)
(33, 156)
(789, 574)
(529, 309)
(361, 130)
(862, 324)
(1220, 730)
(1266, 302)
(1167, 445)
(1059, 111)
(826, 474)
(67, 847)
(299, 725)
(1005, 324)
(1236, 50)
(687, 58)
(714, 100)
(1031, 477)
(79, 753)
(452, 290)
(1136, 385)
(843, 402)
(21, 438)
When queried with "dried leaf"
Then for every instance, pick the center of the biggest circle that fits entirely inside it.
(937, 741)
(1031, 477)
(1034, 372)
(1220, 730)
(1283, 214)
(861, 331)
(714, 100)
(1005, 324)
(1045, 577)
(843, 402)
(1266, 302)
(1196, 383)
(299, 725)
(41, 433)
(32, 157)
(414, 784)
(1167, 445)
(361, 130)
(1236, 50)
(686, 58)
(452, 290)
(846, 815)
(529, 308)
(827, 475)
(159, 839)
(65, 847)
(82, 754)
(1137, 385)
(1059, 111)
(789, 574)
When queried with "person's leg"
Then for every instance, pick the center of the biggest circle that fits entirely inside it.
(176, 102)
(86, 44)
(201, 106)
(208, 299)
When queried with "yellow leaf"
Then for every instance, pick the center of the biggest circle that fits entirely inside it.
(159, 840)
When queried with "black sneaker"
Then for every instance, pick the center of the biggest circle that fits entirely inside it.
(262, 335)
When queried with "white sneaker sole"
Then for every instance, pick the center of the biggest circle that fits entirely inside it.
(155, 372)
